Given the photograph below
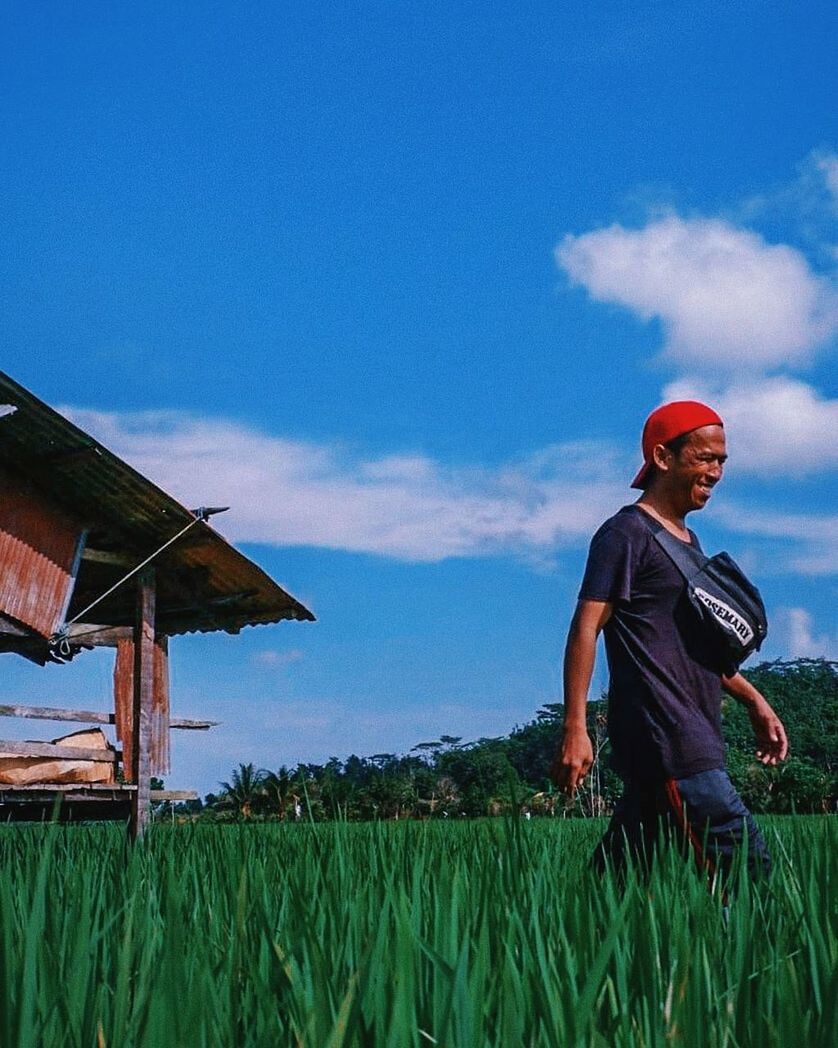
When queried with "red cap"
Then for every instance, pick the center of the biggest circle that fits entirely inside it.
(671, 421)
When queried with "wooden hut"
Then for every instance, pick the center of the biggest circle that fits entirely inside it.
(94, 554)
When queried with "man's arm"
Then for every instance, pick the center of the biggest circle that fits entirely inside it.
(575, 754)
(772, 744)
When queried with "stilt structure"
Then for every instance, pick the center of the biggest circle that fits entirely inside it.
(94, 554)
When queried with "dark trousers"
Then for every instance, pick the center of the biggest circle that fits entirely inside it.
(703, 813)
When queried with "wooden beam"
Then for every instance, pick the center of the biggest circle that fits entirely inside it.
(143, 701)
(70, 787)
(99, 787)
(92, 717)
(97, 636)
(12, 628)
(81, 543)
(52, 713)
(192, 725)
(103, 556)
(50, 749)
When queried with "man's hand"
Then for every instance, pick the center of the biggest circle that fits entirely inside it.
(575, 754)
(573, 760)
(772, 744)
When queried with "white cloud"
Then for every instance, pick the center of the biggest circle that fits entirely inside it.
(285, 492)
(274, 660)
(409, 507)
(775, 426)
(814, 537)
(819, 559)
(827, 166)
(806, 206)
(805, 526)
(723, 294)
(797, 629)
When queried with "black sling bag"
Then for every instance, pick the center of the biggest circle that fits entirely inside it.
(727, 605)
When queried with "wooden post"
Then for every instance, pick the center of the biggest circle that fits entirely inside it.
(143, 701)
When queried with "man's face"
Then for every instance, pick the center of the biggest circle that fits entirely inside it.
(697, 468)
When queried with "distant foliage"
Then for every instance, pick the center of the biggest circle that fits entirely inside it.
(447, 778)
(804, 692)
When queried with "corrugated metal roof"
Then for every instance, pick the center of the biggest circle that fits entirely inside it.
(203, 583)
(38, 546)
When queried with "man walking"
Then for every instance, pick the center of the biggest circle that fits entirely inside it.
(666, 679)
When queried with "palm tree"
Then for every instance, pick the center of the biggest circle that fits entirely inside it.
(444, 796)
(278, 787)
(244, 790)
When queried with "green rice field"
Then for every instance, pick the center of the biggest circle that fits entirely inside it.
(486, 933)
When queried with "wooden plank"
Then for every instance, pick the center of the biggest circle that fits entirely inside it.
(12, 628)
(102, 556)
(74, 572)
(96, 791)
(91, 716)
(53, 713)
(69, 787)
(192, 725)
(143, 700)
(49, 749)
(97, 636)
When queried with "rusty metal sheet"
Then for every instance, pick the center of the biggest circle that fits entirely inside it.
(160, 739)
(123, 693)
(38, 556)
(123, 679)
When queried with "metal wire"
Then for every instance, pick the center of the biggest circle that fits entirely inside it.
(62, 632)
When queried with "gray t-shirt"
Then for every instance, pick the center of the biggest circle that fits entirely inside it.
(664, 696)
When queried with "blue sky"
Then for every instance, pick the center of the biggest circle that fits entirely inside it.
(400, 282)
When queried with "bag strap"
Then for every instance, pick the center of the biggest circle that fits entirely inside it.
(687, 559)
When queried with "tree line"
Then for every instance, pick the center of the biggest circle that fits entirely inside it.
(450, 778)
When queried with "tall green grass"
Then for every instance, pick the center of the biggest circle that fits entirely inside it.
(467, 934)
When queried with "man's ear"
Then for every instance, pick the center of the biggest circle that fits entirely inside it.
(662, 456)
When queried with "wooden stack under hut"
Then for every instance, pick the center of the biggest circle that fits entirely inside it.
(93, 554)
